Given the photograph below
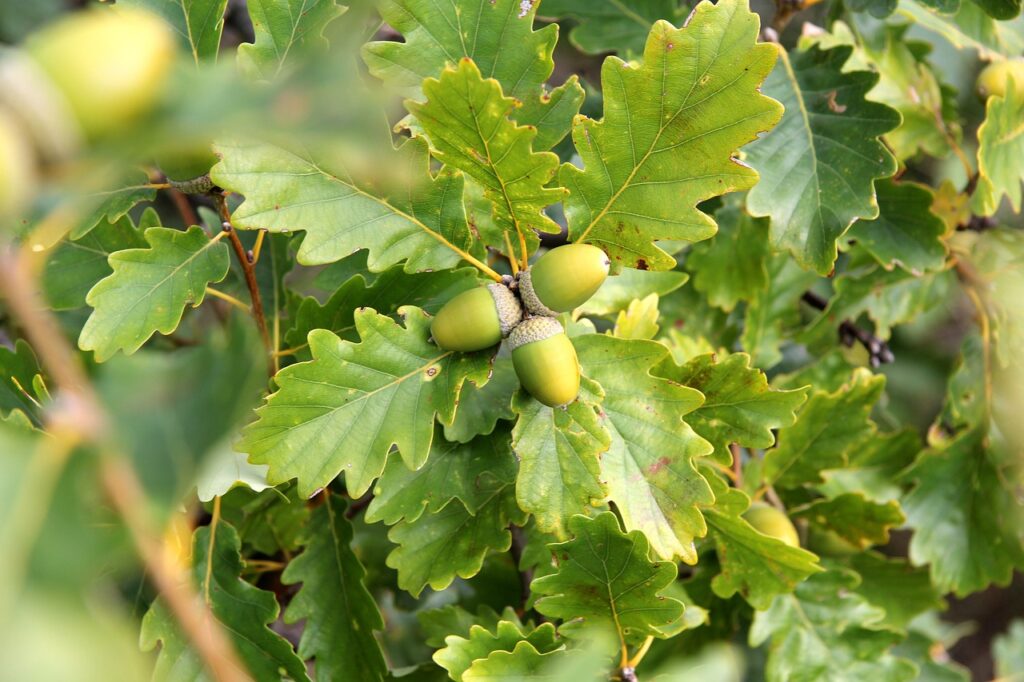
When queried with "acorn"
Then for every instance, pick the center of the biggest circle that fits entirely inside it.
(109, 64)
(770, 521)
(825, 542)
(992, 79)
(18, 173)
(545, 361)
(188, 163)
(477, 319)
(563, 279)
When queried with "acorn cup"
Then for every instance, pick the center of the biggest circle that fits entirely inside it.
(545, 361)
(772, 522)
(563, 279)
(476, 319)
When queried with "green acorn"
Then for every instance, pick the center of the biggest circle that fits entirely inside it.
(545, 361)
(563, 279)
(772, 522)
(188, 163)
(825, 542)
(109, 64)
(476, 319)
(18, 173)
(993, 78)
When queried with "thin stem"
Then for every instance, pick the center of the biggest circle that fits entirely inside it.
(641, 652)
(250, 276)
(526, 254)
(879, 350)
(227, 297)
(258, 246)
(511, 254)
(184, 206)
(214, 522)
(289, 351)
(986, 343)
(157, 185)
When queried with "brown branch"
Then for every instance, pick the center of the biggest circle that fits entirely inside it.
(879, 350)
(246, 260)
(80, 412)
(184, 206)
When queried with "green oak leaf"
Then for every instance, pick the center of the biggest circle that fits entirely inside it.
(75, 266)
(874, 467)
(1003, 10)
(343, 410)
(463, 471)
(967, 28)
(739, 406)
(650, 468)
(481, 407)
(906, 233)
(437, 547)
(110, 205)
(149, 289)
(1008, 651)
(284, 32)
(558, 451)
(826, 632)
(18, 369)
(819, 440)
(466, 119)
(752, 564)
(1000, 148)
(225, 470)
(340, 614)
(526, 664)
(965, 515)
(618, 292)
(669, 135)
(639, 320)
(459, 653)
(774, 312)
(879, 9)
(817, 167)
(606, 582)
(854, 518)
(731, 266)
(612, 25)
(387, 292)
(498, 36)
(270, 522)
(422, 221)
(243, 609)
(894, 585)
(198, 23)
(438, 624)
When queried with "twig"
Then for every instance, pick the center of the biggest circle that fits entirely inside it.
(184, 206)
(525, 576)
(358, 505)
(737, 464)
(80, 412)
(250, 275)
(511, 254)
(879, 350)
(227, 297)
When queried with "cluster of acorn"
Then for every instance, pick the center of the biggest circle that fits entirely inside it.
(524, 310)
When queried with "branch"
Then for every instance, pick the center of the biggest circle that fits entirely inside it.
(849, 332)
(81, 413)
(247, 261)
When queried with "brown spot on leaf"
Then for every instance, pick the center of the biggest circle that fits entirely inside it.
(660, 464)
(834, 105)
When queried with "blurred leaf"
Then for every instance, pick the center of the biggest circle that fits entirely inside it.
(481, 407)
(856, 519)
(739, 406)
(243, 609)
(437, 547)
(649, 161)
(466, 119)
(1000, 147)
(755, 565)
(818, 165)
(270, 522)
(879, 9)
(340, 614)
(113, 204)
(1000, 9)
(605, 582)
(619, 291)
(874, 467)
(498, 36)
(438, 624)
(18, 368)
(224, 470)
(389, 291)
(423, 222)
(286, 30)
(611, 25)
(965, 516)
(818, 440)
(464, 471)
(731, 266)
(74, 267)
(1008, 651)
(893, 584)
(967, 28)
(526, 664)
(650, 468)
(906, 233)
(774, 312)
(459, 653)
(198, 23)
(825, 631)
(639, 320)
(354, 401)
(149, 289)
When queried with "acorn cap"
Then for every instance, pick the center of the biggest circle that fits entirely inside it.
(510, 310)
(563, 278)
(534, 329)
